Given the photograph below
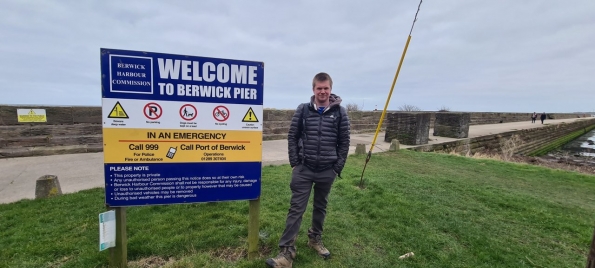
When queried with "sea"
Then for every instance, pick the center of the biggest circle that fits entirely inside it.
(583, 145)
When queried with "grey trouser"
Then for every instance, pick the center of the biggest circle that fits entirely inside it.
(302, 179)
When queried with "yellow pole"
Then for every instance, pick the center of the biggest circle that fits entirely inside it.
(384, 111)
(389, 96)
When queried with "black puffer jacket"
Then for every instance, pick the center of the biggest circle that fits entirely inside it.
(326, 141)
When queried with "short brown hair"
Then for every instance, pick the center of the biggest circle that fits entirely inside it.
(321, 77)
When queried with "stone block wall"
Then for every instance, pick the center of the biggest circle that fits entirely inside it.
(276, 122)
(452, 125)
(56, 115)
(408, 128)
(528, 139)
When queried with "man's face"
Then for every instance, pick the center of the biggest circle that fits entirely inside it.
(322, 91)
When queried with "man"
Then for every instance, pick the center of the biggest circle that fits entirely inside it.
(318, 143)
(542, 117)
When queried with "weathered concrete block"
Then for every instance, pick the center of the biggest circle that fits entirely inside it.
(394, 145)
(452, 125)
(47, 186)
(408, 128)
(360, 149)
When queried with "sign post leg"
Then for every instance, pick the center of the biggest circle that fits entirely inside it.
(253, 228)
(591, 256)
(119, 254)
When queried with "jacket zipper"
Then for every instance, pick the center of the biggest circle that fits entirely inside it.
(319, 138)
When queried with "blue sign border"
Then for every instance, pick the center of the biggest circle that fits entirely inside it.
(106, 86)
(140, 76)
(129, 188)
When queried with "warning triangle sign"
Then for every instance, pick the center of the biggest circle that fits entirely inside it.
(31, 112)
(118, 111)
(250, 116)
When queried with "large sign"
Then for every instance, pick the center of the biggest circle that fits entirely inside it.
(180, 129)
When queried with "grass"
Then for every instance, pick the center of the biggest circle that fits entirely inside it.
(451, 211)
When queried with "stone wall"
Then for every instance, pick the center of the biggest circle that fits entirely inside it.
(67, 130)
(452, 125)
(77, 129)
(526, 142)
(276, 122)
(408, 128)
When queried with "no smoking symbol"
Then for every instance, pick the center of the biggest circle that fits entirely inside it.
(221, 113)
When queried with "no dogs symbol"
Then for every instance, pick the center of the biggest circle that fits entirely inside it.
(188, 112)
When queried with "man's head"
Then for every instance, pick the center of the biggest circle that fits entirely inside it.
(322, 85)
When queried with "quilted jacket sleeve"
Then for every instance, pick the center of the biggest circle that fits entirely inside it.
(343, 141)
(295, 130)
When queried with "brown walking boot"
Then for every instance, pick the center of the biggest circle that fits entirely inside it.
(283, 260)
(315, 242)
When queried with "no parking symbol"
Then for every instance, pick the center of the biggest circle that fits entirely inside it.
(152, 111)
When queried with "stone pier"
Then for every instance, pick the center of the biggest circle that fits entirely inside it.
(452, 125)
(408, 128)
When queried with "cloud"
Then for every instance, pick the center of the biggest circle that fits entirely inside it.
(526, 56)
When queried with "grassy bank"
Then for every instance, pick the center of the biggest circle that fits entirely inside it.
(555, 144)
(450, 211)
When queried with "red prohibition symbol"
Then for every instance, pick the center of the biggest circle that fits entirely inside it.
(221, 113)
(153, 110)
(188, 112)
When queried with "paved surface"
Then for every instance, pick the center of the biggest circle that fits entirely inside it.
(85, 171)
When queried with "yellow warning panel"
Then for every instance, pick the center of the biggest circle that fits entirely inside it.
(31, 115)
(250, 116)
(126, 145)
(118, 111)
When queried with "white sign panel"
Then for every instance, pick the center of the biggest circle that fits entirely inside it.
(107, 230)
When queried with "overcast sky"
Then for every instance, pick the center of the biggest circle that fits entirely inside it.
(467, 55)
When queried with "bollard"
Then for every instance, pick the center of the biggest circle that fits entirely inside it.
(360, 149)
(394, 145)
(47, 186)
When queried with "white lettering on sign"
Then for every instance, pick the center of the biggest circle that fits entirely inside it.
(238, 74)
(186, 70)
(206, 68)
(192, 71)
(252, 75)
(245, 93)
(204, 91)
(131, 74)
(131, 66)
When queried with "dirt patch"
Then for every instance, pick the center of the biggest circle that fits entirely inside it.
(230, 254)
(60, 262)
(580, 164)
(555, 160)
(151, 262)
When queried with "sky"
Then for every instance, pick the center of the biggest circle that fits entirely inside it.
(464, 55)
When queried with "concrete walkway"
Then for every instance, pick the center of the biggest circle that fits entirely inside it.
(84, 171)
